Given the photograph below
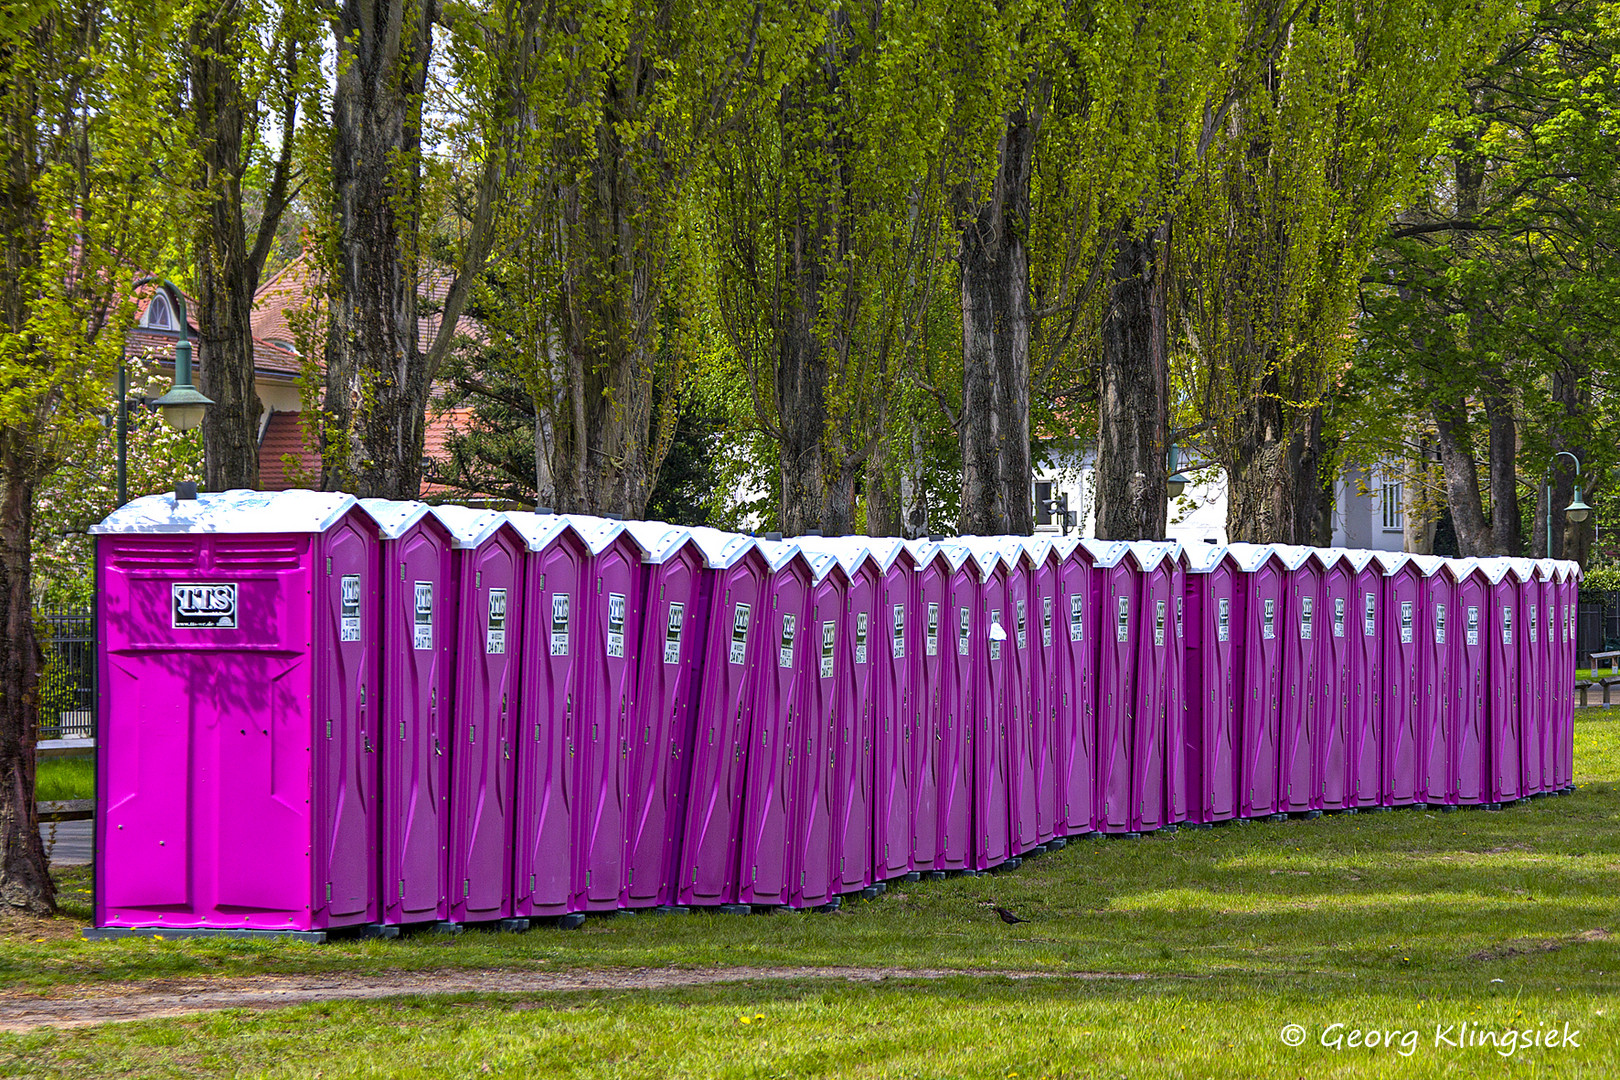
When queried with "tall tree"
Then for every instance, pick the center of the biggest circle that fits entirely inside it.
(244, 63)
(379, 372)
(78, 209)
(1490, 311)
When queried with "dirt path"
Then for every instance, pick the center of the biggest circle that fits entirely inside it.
(82, 1006)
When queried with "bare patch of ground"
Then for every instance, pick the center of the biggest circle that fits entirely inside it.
(1530, 946)
(83, 1006)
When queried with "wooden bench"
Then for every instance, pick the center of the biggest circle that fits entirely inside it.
(1612, 657)
(66, 809)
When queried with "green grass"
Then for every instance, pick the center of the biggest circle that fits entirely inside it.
(65, 778)
(1397, 920)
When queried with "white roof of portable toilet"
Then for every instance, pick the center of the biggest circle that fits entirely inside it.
(1106, 553)
(848, 550)
(469, 527)
(1358, 558)
(1151, 554)
(1065, 546)
(596, 533)
(1203, 558)
(394, 516)
(1523, 569)
(1390, 561)
(537, 530)
(956, 553)
(923, 550)
(721, 550)
(657, 540)
(1292, 556)
(986, 554)
(885, 550)
(1461, 568)
(1250, 557)
(777, 553)
(237, 511)
(821, 564)
(1428, 565)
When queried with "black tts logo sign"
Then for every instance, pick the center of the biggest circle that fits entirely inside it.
(194, 606)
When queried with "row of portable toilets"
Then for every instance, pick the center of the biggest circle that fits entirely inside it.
(319, 712)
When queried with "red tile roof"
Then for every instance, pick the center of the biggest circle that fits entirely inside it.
(283, 436)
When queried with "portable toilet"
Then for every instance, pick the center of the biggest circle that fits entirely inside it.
(1178, 796)
(1437, 642)
(1335, 679)
(980, 587)
(898, 708)
(1076, 696)
(551, 691)
(959, 652)
(1155, 566)
(415, 619)
(1119, 593)
(237, 786)
(1367, 696)
(735, 650)
(770, 782)
(933, 664)
(1532, 676)
(813, 755)
(1298, 781)
(487, 566)
(1213, 696)
(1404, 646)
(674, 607)
(1045, 565)
(1468, 683)
(1265, 592)
(610, 607)
(1568, 589)
(1023, 727)
(1502, 629)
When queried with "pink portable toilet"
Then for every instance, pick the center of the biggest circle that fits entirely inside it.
(770, 782)
(1563, 749)
(814, 766)
(1044, 645)
(737, 648)
(984, 625)
(933, 663)
(1367, 695)
(1075, 731)
(1335, 683)
(1023, 730)
(1178, 795)
(896, 718)
(674, 606)
(610, 607)
(1404, 646)
(1437, 641)
(959, 707)
(1532, 675)
(237, 787)
(1468, 683)
(1265, 594)
(1155, 565)
(487, 566)
(1546, 695)
(551, 681)
(1212, 727)
(415, 618)
(1119, 595)
(1502, 629)
(1299, 783)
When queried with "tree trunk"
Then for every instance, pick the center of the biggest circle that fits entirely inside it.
(25, 880)
(994, 432)
(1133, 410)
(1474, 535)
(377, 380)
(1504, 469)
(801, 363)
(1313, 482)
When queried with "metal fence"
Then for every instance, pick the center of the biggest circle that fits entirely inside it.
(1597, 624)
(67, 692)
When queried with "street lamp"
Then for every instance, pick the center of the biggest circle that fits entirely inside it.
(1577, 510)
(181, 408)
(1176, 483)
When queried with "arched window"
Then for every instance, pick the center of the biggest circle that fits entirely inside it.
(159, 316)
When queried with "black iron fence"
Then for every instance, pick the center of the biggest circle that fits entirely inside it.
(1597, 624)
(67, 692)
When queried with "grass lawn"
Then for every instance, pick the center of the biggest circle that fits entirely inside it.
(65, 778)
(1398, 922)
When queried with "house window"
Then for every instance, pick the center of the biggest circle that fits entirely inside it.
(1043, 502)
(1394, 520)
(157, 313)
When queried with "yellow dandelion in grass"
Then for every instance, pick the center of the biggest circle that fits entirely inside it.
(745, 1019)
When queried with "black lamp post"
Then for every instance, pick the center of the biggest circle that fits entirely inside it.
(182, 407)
(1577, 510)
